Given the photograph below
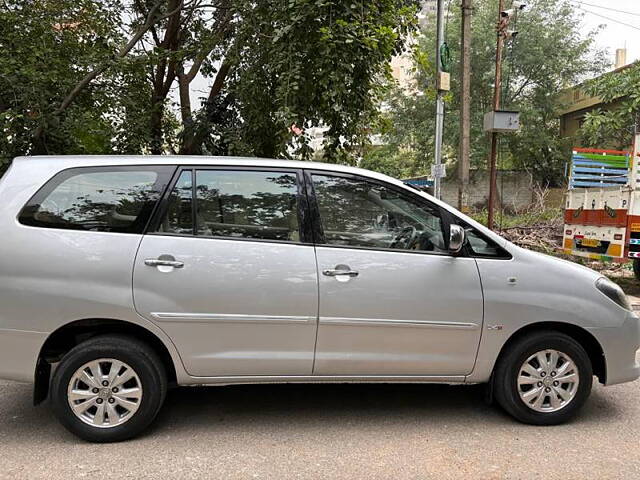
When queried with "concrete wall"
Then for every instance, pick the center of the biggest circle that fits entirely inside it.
(514, 188)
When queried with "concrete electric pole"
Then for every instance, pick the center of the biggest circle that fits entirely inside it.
(465, 107)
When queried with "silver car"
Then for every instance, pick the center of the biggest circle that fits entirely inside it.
(123, 276)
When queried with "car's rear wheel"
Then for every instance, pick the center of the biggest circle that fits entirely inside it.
(108, 388)
(543, 378)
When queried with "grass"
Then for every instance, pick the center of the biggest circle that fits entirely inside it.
(525, 219)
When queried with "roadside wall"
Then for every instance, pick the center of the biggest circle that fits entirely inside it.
(514, 188)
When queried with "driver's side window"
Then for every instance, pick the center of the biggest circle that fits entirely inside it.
(358, 213)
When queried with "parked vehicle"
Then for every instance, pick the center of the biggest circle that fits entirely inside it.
(602, 213)
(121, 276)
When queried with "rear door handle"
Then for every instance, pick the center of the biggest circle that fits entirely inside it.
(158, 262)
(340, 273)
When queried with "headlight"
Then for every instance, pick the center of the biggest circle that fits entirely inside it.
(613, 291)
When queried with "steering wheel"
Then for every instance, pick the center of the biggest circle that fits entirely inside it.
(405, 239)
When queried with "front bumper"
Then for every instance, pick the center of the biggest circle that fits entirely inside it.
(620, 345)
(19, 352)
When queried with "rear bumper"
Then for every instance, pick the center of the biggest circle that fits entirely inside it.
(620, 345)
(19, 352)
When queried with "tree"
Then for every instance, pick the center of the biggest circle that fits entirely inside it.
(548, 54)
(305, 63)
(614, 124)
(99, 77)
(48, 46)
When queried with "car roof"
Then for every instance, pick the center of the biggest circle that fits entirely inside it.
(71, 161)
(63, 162)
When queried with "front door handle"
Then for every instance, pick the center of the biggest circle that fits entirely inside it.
(161, 262)
(340, 271)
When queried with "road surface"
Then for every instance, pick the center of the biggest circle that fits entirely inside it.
(330, 431)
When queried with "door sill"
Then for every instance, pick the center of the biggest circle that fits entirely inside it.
(251, 379)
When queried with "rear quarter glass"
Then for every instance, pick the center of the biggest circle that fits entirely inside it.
(117, 199)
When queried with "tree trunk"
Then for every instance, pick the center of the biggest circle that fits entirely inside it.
(465, 108)
(193, 141)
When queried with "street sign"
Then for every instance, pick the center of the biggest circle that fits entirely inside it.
(438, 171)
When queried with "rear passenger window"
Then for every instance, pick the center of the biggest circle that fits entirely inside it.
(235, 204)
(105, 199)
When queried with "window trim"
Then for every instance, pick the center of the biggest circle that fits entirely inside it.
(468, 252)
(317, 221)
(304, 223)
(164, 173)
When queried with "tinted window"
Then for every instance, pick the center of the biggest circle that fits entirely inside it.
(239, 204)
(107, 199)
(356, 212)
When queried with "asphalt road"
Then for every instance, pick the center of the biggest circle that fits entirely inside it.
(330, 431)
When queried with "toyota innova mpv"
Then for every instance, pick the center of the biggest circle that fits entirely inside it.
(123, 276)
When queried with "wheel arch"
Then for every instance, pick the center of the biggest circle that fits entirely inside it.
(60, 341)
(586, 340)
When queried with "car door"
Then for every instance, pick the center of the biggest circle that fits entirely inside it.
(393, 301)
(229, 275)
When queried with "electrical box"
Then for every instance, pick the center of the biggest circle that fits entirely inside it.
(444, 81)
(502, 121)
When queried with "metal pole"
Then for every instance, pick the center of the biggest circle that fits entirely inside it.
(439, 100)
(496, 106)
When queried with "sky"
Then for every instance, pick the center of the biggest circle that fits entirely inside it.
(615, 34)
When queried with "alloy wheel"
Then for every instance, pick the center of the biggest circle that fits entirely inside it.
(104, 393)
(548, 381)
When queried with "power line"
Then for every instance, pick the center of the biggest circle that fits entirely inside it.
(609, 18)
(607, 8)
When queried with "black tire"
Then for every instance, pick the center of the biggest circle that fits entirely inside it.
(508, 369)
(636, 268)
(140, 357)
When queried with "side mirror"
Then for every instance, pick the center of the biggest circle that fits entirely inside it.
(456, 238)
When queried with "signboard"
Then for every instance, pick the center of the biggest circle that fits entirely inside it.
(438, 171)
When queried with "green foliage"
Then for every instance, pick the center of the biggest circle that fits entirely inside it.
(613, 126)
(548, 54)
(312, 63)
(392, 161)
(270, 65)
(47, 47)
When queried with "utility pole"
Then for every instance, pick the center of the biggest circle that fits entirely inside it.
(496, 106)
(500, 120)
(465, 107)
(440, 85)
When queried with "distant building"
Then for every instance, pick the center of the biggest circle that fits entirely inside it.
(401, 65)
(575, 103)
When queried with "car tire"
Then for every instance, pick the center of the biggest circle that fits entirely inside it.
(120, 409)
(521, 378)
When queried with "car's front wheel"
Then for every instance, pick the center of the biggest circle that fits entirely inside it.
(108, 388)
(543, 378)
